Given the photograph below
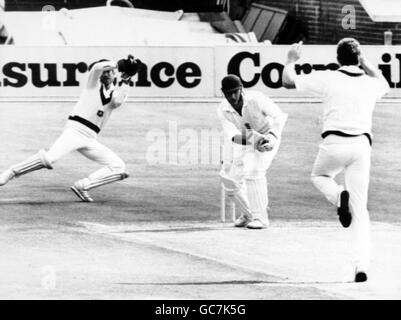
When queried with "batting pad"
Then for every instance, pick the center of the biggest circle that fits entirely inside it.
(238, 194)
(33, 163)
(102, 177)
(258, 199)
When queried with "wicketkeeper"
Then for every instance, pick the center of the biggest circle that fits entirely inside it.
(99, 98)
(252, 124)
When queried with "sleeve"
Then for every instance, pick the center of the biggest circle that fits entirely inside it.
(97, 70)
(275, 116)
(314, 83)
(229, 128)
(381, 86)
(120, 95)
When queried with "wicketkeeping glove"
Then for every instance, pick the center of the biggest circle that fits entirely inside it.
(129, 66)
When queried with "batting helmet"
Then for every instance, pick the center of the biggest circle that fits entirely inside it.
(230, 83)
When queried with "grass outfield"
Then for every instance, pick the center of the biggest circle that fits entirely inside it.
(177, 192)
(157, 234)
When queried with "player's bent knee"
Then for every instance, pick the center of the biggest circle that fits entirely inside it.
(33, 163)
(44, 158)
(315, 180)
(318, 179)
(229, 184)
(120, 170)
(118, 166)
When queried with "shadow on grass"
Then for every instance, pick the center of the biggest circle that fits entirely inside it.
(13, 202)
(188, 229)
(232, 282)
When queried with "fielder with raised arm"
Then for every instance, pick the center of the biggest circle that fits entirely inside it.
(96, 103)
(252, 124)
(349, 96)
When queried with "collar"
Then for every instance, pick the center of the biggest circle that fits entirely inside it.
(107, 90)
(352, 70)
(103, 91)
(228, 108)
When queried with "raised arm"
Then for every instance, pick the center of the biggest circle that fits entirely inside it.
(275, 122)
(369, 68)
(289, 74)
(97, 69)
(382, 86)
(121, 93)
(128, 68)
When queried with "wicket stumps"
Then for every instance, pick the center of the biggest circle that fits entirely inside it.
(223, 193)
(224, 204)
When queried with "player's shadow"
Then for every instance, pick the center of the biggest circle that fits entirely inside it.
(33, 203)
(179, 229)
(234, 282)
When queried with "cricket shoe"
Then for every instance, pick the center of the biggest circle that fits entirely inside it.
(81, 193)
(361, 276)
(343, 212)
(242, 222)
(256, 224)
(6, 176)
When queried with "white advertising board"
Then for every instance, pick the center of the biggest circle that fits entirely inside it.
(174, 72)
(260, 67)
(59, 71)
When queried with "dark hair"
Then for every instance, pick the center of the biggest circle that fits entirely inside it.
(93, 63)
(348, 51)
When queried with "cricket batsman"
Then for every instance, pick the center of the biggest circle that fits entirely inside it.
(99, 98)
(252, 124)
(349, 96)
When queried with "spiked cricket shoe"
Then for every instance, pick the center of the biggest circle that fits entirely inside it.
(242, 222)
(256, 224)
(6, 176)
(81, 193)
(343, 212)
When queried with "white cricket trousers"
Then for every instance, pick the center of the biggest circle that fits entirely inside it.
(77, 137)
(351, 155)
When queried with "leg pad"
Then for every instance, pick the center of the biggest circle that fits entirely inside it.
(101, 181)
(33, 163)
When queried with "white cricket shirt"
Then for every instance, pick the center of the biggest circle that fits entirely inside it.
(349, 97)
(256, 103)
(96, 103)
